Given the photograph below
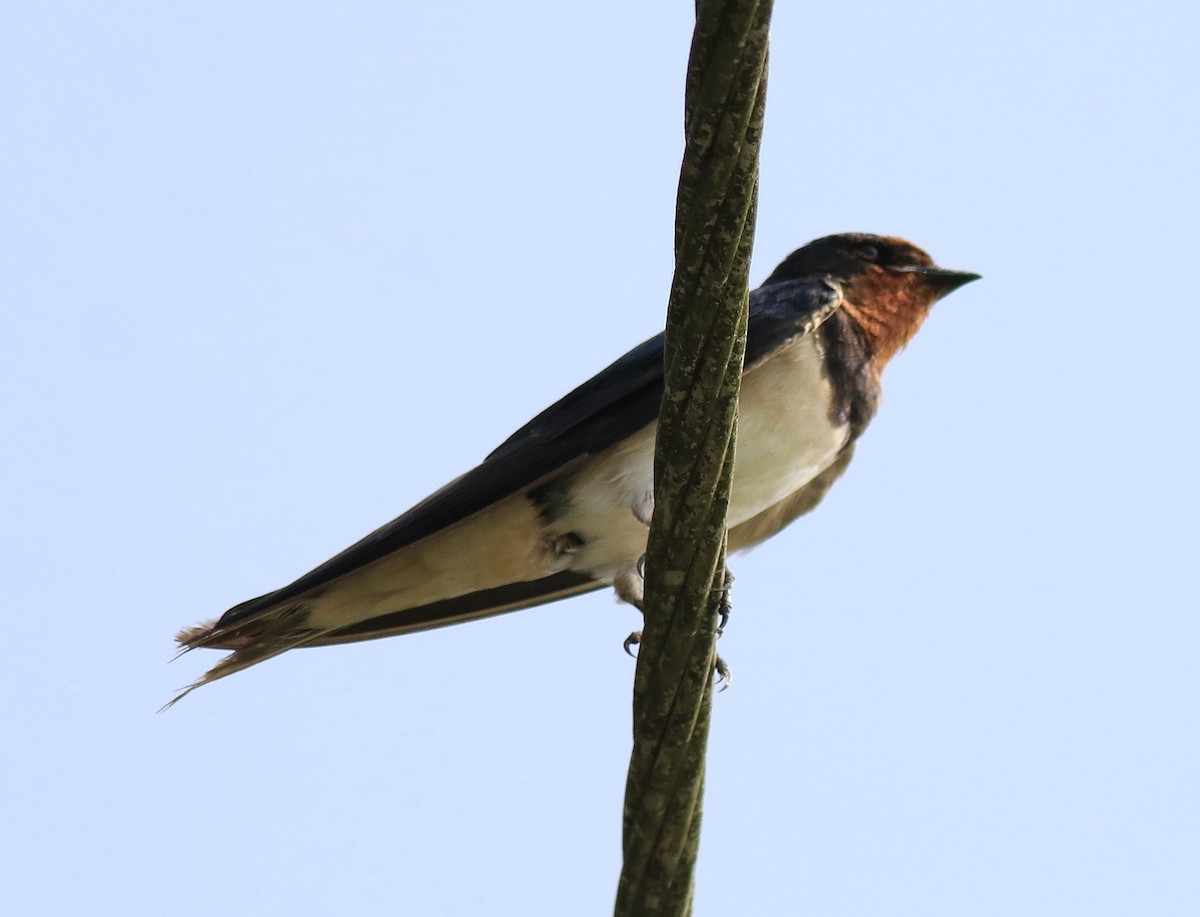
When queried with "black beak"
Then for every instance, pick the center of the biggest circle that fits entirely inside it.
(944, 281)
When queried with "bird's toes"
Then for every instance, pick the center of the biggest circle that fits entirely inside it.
(631, 641)
(725, 607)
(629, 586)
(724, 675)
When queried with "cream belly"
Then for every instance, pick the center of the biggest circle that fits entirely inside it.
(785, 439)
(785, 436)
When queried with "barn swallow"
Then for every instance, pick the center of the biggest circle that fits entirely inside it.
(563, 506)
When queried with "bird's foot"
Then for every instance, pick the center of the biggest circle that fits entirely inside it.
(725, 607)
(724, 677)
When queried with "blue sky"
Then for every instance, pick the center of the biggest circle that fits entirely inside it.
(273, 272)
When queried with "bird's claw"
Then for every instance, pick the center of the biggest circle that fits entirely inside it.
(724, 675)
(725, 607)
(631, 641)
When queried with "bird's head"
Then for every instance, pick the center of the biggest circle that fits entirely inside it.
(889, 284)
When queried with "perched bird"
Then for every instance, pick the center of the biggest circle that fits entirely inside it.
(563, 506)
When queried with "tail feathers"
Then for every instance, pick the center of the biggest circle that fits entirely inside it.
(252, 641)
(258, 632)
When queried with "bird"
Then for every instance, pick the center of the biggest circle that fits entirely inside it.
(563, 506)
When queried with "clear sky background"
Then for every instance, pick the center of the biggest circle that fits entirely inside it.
(272, 272)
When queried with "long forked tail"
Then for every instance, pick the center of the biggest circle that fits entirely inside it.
(256, 630)
(254, 640)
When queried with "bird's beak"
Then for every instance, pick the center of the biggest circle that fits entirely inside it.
(944, 281)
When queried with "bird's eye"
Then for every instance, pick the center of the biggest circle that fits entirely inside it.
(869, 253)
